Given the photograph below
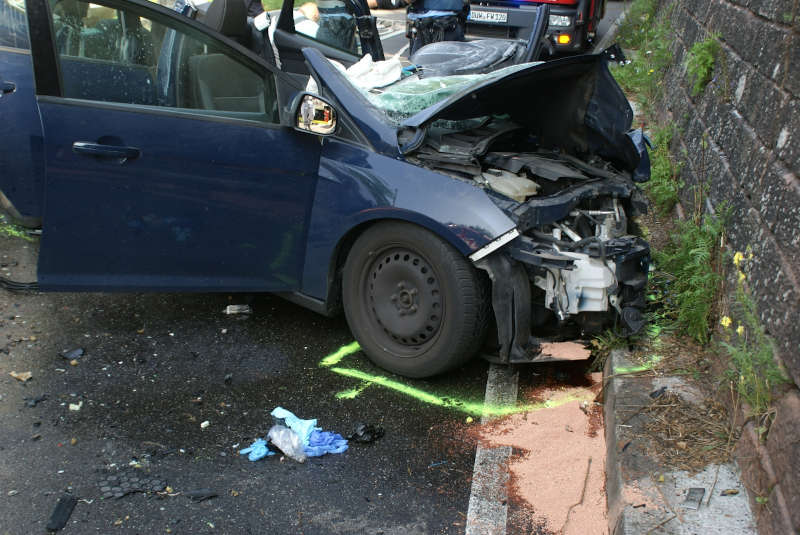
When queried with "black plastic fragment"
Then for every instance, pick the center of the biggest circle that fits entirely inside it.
(365, 433)
(693, 498)
(614, 53)
(655, 394)
(200, 494)
(32, 402)
(121, 484)
(62, 512)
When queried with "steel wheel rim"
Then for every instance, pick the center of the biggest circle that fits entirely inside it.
(403, 298)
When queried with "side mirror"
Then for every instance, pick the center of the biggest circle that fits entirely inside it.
(314, 114)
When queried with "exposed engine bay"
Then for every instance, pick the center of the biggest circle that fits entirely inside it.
(572, 267)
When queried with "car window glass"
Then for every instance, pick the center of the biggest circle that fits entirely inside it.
(329, 22)
(116, 55)
(13, 24)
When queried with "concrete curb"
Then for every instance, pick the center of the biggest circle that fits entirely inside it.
(488, 500)
(644, 496)
(614, 502)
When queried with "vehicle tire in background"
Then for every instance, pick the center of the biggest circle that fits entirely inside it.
(415, 304)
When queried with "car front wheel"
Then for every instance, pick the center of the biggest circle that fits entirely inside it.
(416, 306)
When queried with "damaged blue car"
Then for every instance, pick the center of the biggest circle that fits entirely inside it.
(159, 154)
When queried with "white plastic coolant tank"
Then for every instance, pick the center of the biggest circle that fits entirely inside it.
(509, 184)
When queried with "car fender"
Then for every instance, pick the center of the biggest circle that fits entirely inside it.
(358, 187)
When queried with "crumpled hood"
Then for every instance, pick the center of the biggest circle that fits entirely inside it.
(573, 104)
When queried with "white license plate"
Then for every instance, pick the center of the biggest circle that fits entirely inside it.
(488, 16)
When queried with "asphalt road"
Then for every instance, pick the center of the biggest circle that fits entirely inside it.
(155, 368)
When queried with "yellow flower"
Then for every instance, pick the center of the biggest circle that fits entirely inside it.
(740, 330)
(725, 321)
(651, 71)
(742, 277)
(737, 258)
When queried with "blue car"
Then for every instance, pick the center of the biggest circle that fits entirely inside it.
(159, 154)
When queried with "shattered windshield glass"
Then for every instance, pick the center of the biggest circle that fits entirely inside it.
(413, 94)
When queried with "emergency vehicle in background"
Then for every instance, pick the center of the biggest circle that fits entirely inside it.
(572, 24)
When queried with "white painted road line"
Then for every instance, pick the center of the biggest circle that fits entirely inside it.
(488, 500)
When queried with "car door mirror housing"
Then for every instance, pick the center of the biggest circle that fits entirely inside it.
(314, 114)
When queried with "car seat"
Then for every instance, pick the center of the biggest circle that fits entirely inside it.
(229, 17)
(218, 81)
(134, 45)
(69, 38)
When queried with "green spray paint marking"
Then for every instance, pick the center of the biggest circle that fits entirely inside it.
(469, 407)
(342, 352)
(472, 408)
(13, 231)
(353, 393)
(652, 360)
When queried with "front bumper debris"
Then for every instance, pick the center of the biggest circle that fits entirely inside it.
(595, 285)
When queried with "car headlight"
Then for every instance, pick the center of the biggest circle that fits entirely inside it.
(559, 20)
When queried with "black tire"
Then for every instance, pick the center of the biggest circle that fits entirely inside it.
(417, 307)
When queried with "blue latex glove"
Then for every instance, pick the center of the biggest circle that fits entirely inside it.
(257, 450)
(322, 442)
(303, 428)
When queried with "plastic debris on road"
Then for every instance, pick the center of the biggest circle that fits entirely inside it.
(127, 482)
(73, 354)
(315, 441)
(21, 376)
(693, 498)
(296, 438)
(238, 309)
(200, 494)
(288, 442)
(322, 442)
(365, 433)
(62, 512)
(257, 450)
(32, 402)
(303, 428)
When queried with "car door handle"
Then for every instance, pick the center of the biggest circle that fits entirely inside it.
(8, 87)
(122, 153)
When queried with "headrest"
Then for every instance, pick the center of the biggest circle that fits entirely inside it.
(228, 17)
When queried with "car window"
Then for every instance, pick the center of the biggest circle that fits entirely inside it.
(115, 54)
(329, 22)
(13, 24)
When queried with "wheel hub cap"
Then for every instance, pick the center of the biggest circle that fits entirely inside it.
(404, 297)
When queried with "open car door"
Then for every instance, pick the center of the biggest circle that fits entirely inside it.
(343, 30)
(167, 166)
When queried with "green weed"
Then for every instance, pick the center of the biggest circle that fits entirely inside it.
(753, 368)
(700, 62)
(664, 184)
(648, 37)
(603, 344)
(689, 281)
(634, 28)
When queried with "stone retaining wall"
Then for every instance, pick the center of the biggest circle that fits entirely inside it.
(740, 144)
